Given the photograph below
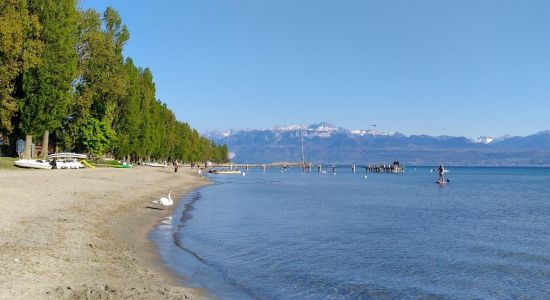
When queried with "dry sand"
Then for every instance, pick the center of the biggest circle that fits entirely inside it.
(82, 234)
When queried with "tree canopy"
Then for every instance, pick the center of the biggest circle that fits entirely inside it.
(62, 71)
(20, 51)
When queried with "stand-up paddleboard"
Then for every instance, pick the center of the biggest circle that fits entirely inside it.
(442, 180)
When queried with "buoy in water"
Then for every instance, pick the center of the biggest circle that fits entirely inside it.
(366, 177)
(244, 174)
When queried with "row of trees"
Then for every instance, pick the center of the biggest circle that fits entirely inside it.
(63, 75)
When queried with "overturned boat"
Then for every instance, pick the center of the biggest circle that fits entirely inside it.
(34, 164)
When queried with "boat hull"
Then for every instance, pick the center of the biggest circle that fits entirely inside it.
(226, 172)
(33, 164)
(155, 165)
(69, 165)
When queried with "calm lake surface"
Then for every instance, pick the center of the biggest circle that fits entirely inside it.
(298, 235)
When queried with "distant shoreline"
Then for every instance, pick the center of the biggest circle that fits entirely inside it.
(73, 233)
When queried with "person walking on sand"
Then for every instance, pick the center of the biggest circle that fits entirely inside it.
(176, 166)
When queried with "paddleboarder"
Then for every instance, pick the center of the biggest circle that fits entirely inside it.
(440, 171)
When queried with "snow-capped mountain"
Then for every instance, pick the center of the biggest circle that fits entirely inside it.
(488, 140)
(324, 127)
(328, 143)
(292, 127)
(484, 140)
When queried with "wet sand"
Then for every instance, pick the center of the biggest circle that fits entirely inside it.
(83, 234)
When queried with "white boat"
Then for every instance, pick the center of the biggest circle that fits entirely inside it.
(156, 165)
(67, 155)
(226, 172)
(33, 163)
(68, 164)
(66, 160)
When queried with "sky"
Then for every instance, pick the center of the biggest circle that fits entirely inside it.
(465, 68)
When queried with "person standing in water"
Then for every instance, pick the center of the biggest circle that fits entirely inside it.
(441, 170)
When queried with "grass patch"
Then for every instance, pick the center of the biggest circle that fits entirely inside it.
(103, 163)
(6, 163)
(106, 162)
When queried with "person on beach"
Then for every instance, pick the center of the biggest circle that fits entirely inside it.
(53, 163)
(176, 166)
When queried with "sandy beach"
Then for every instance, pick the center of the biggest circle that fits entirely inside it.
(82, 234)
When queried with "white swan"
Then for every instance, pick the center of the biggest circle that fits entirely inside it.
(165, 201)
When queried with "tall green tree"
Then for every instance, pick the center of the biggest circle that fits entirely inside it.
(147, 101)
(63, 71)
(20, 49)
(128, 113)
(101, 87)
(47, 90)
(88, 30)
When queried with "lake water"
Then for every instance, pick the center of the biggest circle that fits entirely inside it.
(298, 235)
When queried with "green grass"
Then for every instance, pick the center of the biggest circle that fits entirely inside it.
(6, 163)
(104, 163)
(107, 162)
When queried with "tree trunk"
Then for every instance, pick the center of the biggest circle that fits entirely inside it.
(45, 142)
(28, 145)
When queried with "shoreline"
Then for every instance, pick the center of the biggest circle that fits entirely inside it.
(147, 249)
(79, 234)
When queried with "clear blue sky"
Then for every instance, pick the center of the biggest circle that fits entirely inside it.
(436, 67)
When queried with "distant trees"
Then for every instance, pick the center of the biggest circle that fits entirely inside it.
(63, 72)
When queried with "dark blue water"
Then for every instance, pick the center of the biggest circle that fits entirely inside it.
(298, 235)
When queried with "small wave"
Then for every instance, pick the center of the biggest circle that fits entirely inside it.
(180, 245)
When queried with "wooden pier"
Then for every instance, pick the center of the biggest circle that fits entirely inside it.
(394, 167)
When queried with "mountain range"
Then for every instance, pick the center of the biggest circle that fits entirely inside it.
(327, 143)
